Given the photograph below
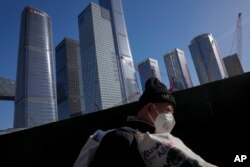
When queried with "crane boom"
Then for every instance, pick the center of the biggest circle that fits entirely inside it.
(239, 36)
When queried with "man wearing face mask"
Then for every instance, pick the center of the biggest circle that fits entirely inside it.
(145, 140)
(156, 107)
(154, 115)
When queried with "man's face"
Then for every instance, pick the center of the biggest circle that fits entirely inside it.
(164, 107)
(158, 108)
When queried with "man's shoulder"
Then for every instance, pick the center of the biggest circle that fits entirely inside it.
(127, 129)
(123, 131)
(122, 134)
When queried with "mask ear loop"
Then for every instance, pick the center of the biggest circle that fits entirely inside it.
(156, 110)
(150, 114)
(150, 117)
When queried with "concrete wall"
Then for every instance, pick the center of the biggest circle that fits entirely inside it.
(211, 119)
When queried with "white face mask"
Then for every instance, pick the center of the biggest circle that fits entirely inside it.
(164, 122)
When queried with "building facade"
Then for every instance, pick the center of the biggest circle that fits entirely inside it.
(101, 82)
(148, 68)
(70, 99)
(233, 65)
(177, 69)
(7, 89)
(207, 59)
(35, 102)
(126, 70)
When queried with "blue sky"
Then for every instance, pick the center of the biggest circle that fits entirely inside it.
(154, 27)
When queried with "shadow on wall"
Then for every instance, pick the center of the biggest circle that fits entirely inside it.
(210, 119)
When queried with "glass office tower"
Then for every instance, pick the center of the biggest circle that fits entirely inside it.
(207, 59)
(178, 72)
(7, 89)
(126, 69)
(233, 65)
(70, 99)
(101, 82)
(148, 68)
(35, 101)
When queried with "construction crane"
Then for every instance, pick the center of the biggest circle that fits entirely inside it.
(239, 36)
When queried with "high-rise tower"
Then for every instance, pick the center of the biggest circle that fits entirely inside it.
(178, 72)
(122, 50)
(35, 101)
(207, 59)
(101, 82)
(233, 65)
(148, 68)
(70, 99)
(7, 89)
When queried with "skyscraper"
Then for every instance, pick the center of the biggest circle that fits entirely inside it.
(101, 82)
(69, 79)
(7, 89)
(35, 101)
(177, 69)
(122, 50)
(207, 59)
(148, 68)
(233, 65)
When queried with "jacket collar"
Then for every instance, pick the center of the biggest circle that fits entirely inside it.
(142, 126)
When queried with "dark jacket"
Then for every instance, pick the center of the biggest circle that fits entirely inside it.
(120, 146)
